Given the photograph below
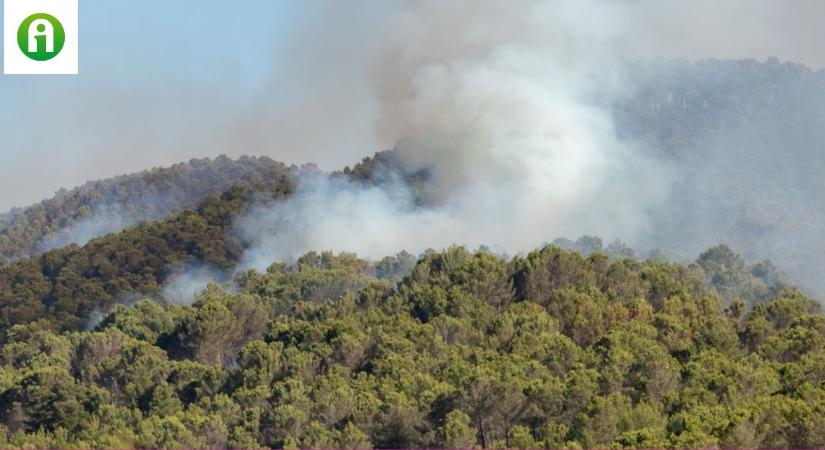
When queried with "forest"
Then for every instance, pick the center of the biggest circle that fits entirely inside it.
(453, 349)
(107, 206)
(571, 344)
(63, 287)
(576, 344)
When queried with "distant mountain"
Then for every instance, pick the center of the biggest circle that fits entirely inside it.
(107, 206)
(746, 143)
(743, 146)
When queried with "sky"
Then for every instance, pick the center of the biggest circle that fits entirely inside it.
(163, 81)
(155, 77)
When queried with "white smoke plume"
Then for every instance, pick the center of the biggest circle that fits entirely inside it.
(498, 102)
(99, 312)
(110, 216)
(106, 219)
(184, 285)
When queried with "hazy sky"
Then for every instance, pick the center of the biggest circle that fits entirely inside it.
(163, 81)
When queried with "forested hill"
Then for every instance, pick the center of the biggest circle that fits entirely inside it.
(549, 350)
(66, 288)
(746, 141)
(572, 345)
(107, 206)
(62, 288)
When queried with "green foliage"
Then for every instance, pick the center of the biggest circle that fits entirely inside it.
(469, 350)
(457, 431)
(109, 205)
(65, 288)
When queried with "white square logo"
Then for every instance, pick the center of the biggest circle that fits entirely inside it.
(40, 37)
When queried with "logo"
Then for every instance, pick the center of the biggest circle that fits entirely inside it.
(41, 37)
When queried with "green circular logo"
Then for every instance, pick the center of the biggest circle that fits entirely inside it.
(41, 37)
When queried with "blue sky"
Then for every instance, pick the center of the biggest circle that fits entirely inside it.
(134, 42)
(155, 76)
(199, 40)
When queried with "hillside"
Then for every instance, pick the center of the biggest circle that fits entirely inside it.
(547, 350)
(108, 206)
(63, 288)
(744, 142)
(69, 288)
(575, 344)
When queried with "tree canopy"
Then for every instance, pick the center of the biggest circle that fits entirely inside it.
(107, 206)
(552, 349)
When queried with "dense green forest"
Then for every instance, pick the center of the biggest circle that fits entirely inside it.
(552, 349)
(106, 206)
(63, 287)
(576, 344)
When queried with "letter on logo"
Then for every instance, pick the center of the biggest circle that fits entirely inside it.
(41, 28)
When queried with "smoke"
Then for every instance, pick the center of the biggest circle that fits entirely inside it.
(504, 120)
(186, 283)
(509, 107)
(106, 219)
(173, 98)
(99, 313)
(332, 213)
(141, 201)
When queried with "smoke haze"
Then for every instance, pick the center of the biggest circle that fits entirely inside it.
(502, 119)
(314, 95)
(187, 282)
(511, 110)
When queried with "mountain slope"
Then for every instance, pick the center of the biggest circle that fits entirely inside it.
(552, 349)
(718, 122)
(64, 287)
(107, 206)
(745, 142)
(746, 145)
